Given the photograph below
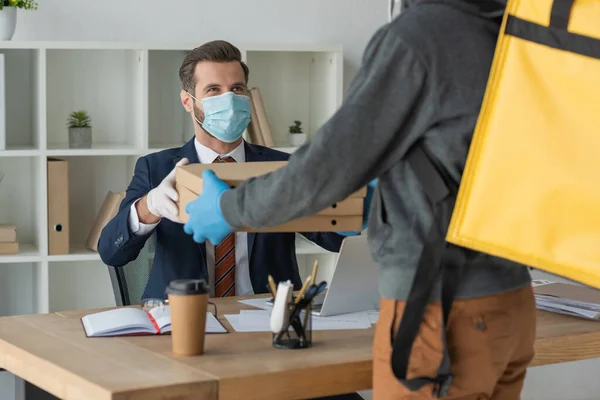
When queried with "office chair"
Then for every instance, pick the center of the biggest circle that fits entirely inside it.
(129, 281)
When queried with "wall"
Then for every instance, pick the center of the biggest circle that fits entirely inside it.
(347, 22)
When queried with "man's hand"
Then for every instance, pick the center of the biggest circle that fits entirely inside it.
(367, 206)
(206, 220)
(160, 201)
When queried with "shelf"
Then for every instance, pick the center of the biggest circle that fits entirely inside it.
(108, 84)
(19, 288)
(21, 200)
(78, 286)
(22, 77)
(90, 180)
(27, 253)
(20, 151)
(296, 85)
(132, 94)
(56, 150)
(78, 253)
(168, 122)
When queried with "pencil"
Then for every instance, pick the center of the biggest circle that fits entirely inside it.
(273, 287)
(306, 284)
(314, 272)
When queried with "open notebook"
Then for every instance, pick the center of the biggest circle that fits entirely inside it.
(135, 321)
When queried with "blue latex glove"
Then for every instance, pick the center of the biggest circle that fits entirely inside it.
(367, 206)
(206, 220)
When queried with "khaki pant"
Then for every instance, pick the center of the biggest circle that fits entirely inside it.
(490, 342)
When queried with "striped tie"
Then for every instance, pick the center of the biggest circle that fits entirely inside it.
(225, 259)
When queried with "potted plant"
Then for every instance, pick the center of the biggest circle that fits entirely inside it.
(8, 15)
(80, 130)
(296, 136)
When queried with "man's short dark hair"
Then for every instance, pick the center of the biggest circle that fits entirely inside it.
(217, 51)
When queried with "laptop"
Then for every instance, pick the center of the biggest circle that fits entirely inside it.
(354, 284)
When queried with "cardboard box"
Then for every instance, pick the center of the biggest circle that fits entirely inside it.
(346, 215)
(9, 248)
(8, 233)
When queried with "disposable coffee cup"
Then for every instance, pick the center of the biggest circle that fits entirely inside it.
(188, 301)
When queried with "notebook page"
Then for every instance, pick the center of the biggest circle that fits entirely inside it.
(117, 321)
(162, 317)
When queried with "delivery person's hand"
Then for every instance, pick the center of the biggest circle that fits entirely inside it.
(206, 220)
(161, 200)
(366, 207)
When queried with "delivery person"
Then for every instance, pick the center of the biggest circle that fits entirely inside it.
(422, 82)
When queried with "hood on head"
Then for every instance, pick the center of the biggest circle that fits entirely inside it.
(487, 8)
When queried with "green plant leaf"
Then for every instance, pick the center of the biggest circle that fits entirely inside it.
(79, 119)
(296, 128)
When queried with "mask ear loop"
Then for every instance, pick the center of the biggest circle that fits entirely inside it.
(194, 110)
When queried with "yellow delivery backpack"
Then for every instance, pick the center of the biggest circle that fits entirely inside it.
(530, 191)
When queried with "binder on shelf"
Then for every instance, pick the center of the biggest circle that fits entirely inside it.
(261, 115)
(254, 133)
(2, 104)
(108, 210)
(58, 206)
(346, 215)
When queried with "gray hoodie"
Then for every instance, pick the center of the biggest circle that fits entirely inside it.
(423, 76)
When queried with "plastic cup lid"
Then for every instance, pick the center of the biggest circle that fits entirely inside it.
(187, 286)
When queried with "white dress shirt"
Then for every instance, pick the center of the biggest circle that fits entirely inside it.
(243, 284)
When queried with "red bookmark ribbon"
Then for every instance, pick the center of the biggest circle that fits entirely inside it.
(153, 322)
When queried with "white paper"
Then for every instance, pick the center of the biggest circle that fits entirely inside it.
(373, 316)
(234, 321)
(540, 282)
(258, 303)
(567, 306)
(213, 325)
(258, 321)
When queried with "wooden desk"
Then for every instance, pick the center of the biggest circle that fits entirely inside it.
(52, 352)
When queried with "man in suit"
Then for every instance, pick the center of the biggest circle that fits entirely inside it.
(215, 94)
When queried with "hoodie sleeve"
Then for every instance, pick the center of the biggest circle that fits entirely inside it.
(384, 112)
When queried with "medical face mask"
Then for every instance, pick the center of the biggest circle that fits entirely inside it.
(225, 116)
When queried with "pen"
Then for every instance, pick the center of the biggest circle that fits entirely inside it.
(273, 287)
(318, 289)
(306, 283)
(314, 272)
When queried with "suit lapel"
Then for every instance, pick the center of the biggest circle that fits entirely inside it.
(188, 151)
(253, 154)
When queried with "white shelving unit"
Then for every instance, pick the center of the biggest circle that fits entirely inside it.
(131, 91)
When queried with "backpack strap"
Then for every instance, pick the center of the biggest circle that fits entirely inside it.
(437, 258)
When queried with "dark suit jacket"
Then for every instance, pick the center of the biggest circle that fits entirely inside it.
(177, 256)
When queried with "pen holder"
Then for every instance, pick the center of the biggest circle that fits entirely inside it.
(298, 334)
